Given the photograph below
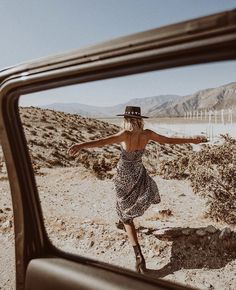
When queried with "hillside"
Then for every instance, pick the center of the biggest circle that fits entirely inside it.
(223, 97)
(50, 133)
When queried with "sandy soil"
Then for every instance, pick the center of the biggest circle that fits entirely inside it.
(177, 240)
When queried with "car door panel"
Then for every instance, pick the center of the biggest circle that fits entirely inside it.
(61, 274)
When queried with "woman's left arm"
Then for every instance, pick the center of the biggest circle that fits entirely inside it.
(172, 140)
(116, 138)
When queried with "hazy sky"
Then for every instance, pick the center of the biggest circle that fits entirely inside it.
(36, 28)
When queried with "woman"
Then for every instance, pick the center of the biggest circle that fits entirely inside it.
(135, 189)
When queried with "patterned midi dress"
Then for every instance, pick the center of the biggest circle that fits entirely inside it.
(135, 189)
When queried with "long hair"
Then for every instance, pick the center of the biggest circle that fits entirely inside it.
(133, 123)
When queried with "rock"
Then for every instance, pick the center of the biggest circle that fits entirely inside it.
(210, 229)
(165, 212)
(209, 286)
(144, 231)
(60, 222)
(159, 232)
(156, 232)
(106, 244)
(7, 208)
(168, 234)
(7, 225)
(225, 233)
(91, 244)
(200, 232)
(122, 243)
(186, 232)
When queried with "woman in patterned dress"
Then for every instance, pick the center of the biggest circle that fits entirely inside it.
(135, 189)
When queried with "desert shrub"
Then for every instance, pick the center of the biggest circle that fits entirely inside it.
(32, 141)
(213, 175)
(101, 168)
(174, 161)
(49, 127)
(176, 168)
(45, 135)
(74, 127)
(71, 138)
(27, 125)
(62, 144)
(43, 119)
(212, 172)
(97, 164)
(42, 143)
(94, 137)
(54, 162)
(64, 134)
(40, 156)
(33, 132)
(91, 130)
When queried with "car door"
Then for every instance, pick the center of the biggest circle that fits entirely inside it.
(39, 264)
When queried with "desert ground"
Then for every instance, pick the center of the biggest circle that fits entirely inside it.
(180, 240)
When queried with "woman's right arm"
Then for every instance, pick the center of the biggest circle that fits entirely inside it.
(167, 140)
(116, 138)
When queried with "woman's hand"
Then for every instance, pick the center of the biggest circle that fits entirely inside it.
(74, 149)
(199, 139)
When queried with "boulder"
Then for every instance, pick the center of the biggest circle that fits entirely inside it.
(210, 229)
(201, 232)
(225, 233)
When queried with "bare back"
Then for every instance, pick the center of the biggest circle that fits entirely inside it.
(135, 140)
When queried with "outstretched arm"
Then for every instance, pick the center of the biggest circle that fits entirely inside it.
(167, 140)
(116, 138)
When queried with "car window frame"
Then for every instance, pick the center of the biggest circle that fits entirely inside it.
(202, 40)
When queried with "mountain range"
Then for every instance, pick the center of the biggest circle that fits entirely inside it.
(222, 97)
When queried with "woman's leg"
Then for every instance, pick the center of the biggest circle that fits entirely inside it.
(131, 232)
(132, 235)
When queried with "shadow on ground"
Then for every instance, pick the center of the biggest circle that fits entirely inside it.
(195, 248)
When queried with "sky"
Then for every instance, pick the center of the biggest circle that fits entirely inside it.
(32, 29)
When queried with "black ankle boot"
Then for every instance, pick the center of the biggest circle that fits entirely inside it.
(140, 261)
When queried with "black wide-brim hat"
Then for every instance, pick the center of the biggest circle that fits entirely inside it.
(132, 112)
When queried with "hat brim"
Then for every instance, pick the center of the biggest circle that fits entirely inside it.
(132, 116)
